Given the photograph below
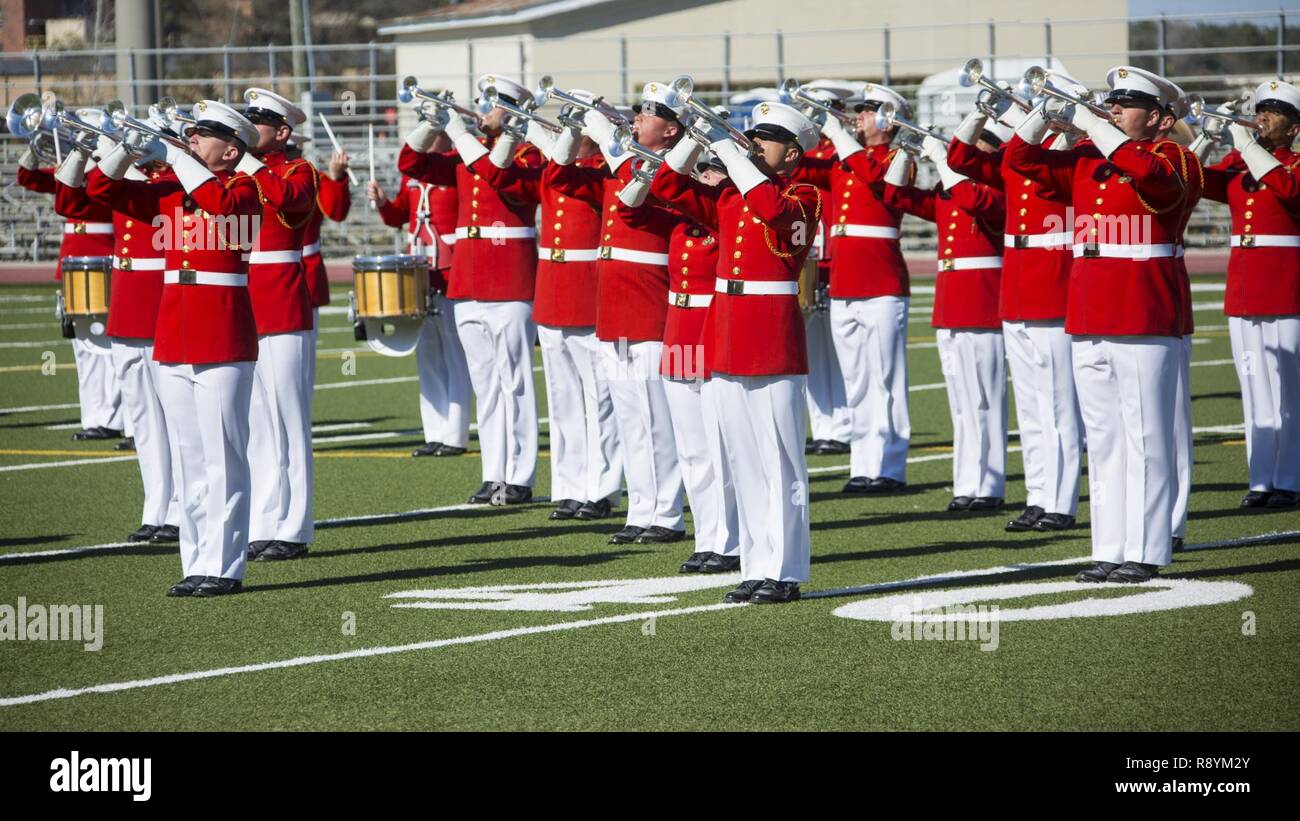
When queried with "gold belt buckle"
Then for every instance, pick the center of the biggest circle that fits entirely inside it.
(188, 277)
(735, 287)
(79, 228)
(838, 230)
(557, 255)
(604, 252)
(1021, 242)
(123, 264)
(682, 301)
(471, 232)
(947, 265)
(1091, 250)
(1248, 241)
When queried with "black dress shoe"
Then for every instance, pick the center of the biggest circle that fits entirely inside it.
(959, 503)
(449, 450)
(166, 533)
(857, 484)
(774, 592)
(985, 504)
(1256, 498)
(811, 446)
(255, 549)
(833, 447)
(627, 535)
(884, 484)
(126, 444)
(143, 533)
(1025, 520)
(566, 509)
(427, 449)
(660, 535)
(96, 434)
(484, 494)
(1096, 574)
(216, 586)
(744, 591)
(1133, 573)
(599, 509)
(513, 495)
(695, 562)
(279, 551)
(1283, 498)
(721, 564)
(1054, 521)
(1178, 544)
(185, 587)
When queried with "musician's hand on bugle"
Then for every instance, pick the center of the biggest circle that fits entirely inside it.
(338, 167)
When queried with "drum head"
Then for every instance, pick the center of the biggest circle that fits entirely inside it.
(91, 329)
(393, 337)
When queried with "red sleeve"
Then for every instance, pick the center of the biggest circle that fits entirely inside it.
(397, 211)
(815, 171)
(983, 201)
(439, 169)
(292, 193)
(867, 168)
(236, 197)
(911, 200)
(135, 198)
(694, 199)
(40, 180)
(579, 182)
(1154, 174)
(979, 166)
(1284, 183)
(1052, 169)
(786, 209)
(334, 197)
(74, 203)
(648, 217)
(515, 180)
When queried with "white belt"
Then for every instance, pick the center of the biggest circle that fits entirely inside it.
(273, 257)
(1057, 242)
(690, 300)
(1265, 241)
(188, 277)
(872, 231)
(570, 254)
(148, 264)
(1160, 250)
(628, 255)
(969, 263)
(448, 239)
(88, 228)
(741, 287)
(495, 232)
(311, 250)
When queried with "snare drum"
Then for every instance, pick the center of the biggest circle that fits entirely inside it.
(86, 285)
(391, 286)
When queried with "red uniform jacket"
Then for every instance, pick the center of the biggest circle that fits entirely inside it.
(88, 231)
(198, 324)
(758, 233)
(969, 218)
(1262, 281)
(1134, 198)
(138, 263)
(281, 300)
(825, 150)
(333, 200)
(860, 267)
(1035, 279)
(428, 213)
(485, 269)
(632, 296)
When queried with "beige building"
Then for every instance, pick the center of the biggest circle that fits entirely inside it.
(615, 46)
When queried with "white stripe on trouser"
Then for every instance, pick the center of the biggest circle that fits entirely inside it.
(974, 368)
(498, 341)
(645, 433)
(828, 412)
(699, 453)
(1126, 395)
(206, 408)
(97, 389)
(586, 463)
(279, 441)
(763, 419)
(313, 340)
(137, 374)
(446, 397)
(1047, 413)
(1267, 353)
(1182, 440)
(871, 343)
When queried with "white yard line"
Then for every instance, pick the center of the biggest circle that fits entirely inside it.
(71, 463)
(37, 408)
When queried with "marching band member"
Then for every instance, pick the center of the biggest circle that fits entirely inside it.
(87, 232)
(1125, 309)
(428, 213)
(632, 308)
(206, 341)
(870, 293)
(1031, 304)
(491, 288)
(968, 330)
(333, 200)
(1259, 182)
(753, 334)
(279, 438)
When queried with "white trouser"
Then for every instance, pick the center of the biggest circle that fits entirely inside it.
(445, 392)
(586, 465)
(137, 374)
(974, 369)
(1182, 440)
(498, 341)
(828, 412)
(762, 419)
(1126, 395)
(314, 339)
(871, 343)
(1047, 413)
(645, 433)
(279, 440)
(1267, 353)
(97, 389)
(206, 408)
(709, 485)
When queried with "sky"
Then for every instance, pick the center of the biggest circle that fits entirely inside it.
(1142, 8)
